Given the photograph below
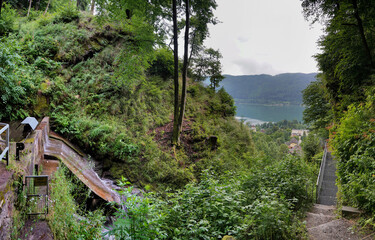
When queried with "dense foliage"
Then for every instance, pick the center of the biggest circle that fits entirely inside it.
(107, 86)
(65, 218)
(18, 80)
(342, 100)
(353, 141)
(260, 205)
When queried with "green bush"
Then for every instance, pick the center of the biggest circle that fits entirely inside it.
(45, 19)
(224, 105)
(211, 209)
(135, 218)
(311, 146)
(63, 219)
(291, 178)
(162, 65)
(353, 141)
(17, 80)
(39, 45)
(269, 217)
(47, 65)
(208, 210)
(7, 18)
(67, 13)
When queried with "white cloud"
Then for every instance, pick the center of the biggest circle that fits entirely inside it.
(242, 39)
(252, 67)
(264, 35)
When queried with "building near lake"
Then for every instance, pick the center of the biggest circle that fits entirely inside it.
(299, 132)
(253, 128)
(295, 149)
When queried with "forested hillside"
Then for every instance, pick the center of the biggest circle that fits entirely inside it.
(267, 89)
(113, 86)
(341, 103)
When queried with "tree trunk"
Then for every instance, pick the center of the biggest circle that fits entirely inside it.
(49, 1)
(185, 67)
(28, 12)
(176, 134)
(362, 33)
(92, 6)
(1, 6)
(192, 50)
(78, 5)
(37, 5)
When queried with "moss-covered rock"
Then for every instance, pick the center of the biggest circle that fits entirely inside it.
(228, 238)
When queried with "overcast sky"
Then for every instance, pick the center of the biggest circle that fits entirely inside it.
(264, 36)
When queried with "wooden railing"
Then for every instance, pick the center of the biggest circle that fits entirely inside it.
(319, 181)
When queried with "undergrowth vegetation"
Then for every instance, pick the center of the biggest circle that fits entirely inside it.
(353, 141)
(263, 204)
(65, 218)
(111, 94)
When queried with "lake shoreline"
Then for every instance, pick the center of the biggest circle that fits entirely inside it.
(238, 101)
(261, 113)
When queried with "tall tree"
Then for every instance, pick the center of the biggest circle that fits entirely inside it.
(1, 6)
(184, 66)
(37, 5)
(154, 12)
(175, 134)
(28, 11)
(49, 1)
(207, 64)
(200, 14)
(362, 32)
(347, 53)
(317, 108)
(92, 7)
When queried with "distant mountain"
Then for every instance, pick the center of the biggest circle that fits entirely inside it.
(267, 89)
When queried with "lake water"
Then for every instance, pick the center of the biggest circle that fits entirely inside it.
(258, 114)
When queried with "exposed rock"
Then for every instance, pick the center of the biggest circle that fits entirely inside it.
(228, 238)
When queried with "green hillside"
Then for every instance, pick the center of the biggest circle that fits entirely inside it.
(107, 83)
(267, 89)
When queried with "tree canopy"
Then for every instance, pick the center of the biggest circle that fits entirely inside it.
(347, 48)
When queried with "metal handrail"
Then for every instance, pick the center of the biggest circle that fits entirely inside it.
(5, 152)
(319, 181)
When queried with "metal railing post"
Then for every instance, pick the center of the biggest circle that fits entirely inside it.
(319, 181)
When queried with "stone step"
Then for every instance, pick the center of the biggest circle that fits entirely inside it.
(336, 229)
(329, 185)
(329, 178)
(331, 173)
(327, 193)
(330, 170)
(327, 200)
(330, 164)
(323, 209)
(316, 219)
(350, 211)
